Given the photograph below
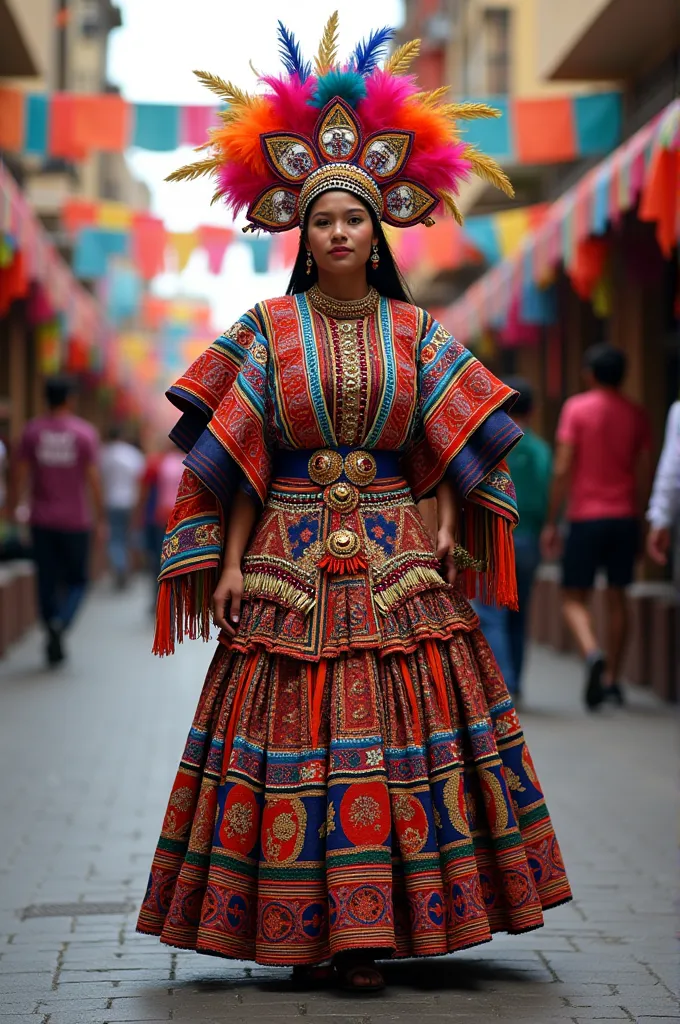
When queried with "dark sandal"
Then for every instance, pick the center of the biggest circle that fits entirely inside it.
(313, 976)
(348, 975)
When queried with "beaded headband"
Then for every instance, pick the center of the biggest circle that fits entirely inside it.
(354, 125)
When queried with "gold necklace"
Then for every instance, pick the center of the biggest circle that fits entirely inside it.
(343, 309)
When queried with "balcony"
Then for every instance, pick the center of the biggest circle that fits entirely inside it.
(605, 40)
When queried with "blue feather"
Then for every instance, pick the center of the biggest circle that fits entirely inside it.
(291, 54)
(368, 52)
(347, 84)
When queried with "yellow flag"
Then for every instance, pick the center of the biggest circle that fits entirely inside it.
(511, 225)
(184, 243)
(114, 216)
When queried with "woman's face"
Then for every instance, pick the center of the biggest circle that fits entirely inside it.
(340, 233)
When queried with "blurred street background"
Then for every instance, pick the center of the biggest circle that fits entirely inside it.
(119, 280)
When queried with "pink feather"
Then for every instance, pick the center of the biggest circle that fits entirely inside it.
(290, 102)
(441, 167)
(242, 185)
(384, 93)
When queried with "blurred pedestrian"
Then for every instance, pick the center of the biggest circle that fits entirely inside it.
(122, 466)
(59, 488)
(530, 465)
(663, 513)
(602, 469)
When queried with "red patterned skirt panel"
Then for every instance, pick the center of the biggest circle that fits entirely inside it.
(374, 800)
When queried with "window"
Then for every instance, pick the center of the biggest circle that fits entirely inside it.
(497, 50)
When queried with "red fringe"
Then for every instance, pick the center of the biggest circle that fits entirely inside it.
(183, 609)
(488, 537)
(343, 566)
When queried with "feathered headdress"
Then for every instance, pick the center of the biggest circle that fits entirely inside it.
(354, 125)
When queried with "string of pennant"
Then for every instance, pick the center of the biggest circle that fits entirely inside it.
(72, 125)
(517, 297)
(102, 230)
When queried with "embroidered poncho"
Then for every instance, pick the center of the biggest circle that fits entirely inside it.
(288, 377)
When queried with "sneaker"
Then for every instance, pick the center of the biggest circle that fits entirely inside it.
(614, 694)
(594, 692)
(55, 648)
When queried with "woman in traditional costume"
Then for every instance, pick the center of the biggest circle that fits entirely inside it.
(355, 785)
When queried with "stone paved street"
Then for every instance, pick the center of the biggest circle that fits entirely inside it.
(87, 756)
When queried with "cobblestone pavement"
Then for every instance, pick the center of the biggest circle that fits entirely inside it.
(87, 756)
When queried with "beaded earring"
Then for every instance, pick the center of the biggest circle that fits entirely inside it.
(310, 261)
(375, 257)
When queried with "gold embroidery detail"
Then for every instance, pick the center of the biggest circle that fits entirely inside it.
(350, 376)
(365, 811)
(329, 824)
(450, 796)
(403, 808)
(182, 798)
(239, 818)
(284, 827)
(514, 781)
(494, 800)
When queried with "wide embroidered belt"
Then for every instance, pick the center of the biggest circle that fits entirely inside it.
(327, 465)
(342, 472)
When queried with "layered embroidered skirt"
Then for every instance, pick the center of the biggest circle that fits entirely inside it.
(356, 775)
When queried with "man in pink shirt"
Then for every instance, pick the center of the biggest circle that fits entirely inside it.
(601, 472)
(58, 471)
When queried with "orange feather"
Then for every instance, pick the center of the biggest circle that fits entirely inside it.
(431, 129)
(239, 140)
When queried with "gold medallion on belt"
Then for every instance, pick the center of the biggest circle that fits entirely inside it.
(325, 468)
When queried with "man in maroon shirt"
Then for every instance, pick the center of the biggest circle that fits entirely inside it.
(58, 474)
(602, 474)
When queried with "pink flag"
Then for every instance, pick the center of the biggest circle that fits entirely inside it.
(215, 241)
(194, 124)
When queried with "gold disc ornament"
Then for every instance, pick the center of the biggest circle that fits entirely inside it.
(343, 543)
(341, 497)
(325, 466)
(361, 468)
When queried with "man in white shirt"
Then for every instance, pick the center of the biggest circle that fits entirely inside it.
(122, 466)
(663, 513)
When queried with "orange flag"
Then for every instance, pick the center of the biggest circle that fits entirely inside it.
(101, 123)
(78, 213)
(659, 200)
(62, 141)
(11, 119)
(148, 245)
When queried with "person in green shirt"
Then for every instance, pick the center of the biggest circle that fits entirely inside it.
(530, 464)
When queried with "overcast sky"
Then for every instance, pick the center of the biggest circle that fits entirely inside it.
(152, 57)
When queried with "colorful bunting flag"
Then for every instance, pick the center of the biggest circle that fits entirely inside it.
(156, 126)
(544, 130)
(183, 245)
(37, 108)
(11, 120)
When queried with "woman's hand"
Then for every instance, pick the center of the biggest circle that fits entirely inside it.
(226, 601)
(445, 545)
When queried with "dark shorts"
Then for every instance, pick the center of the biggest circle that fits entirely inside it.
(594, 544)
